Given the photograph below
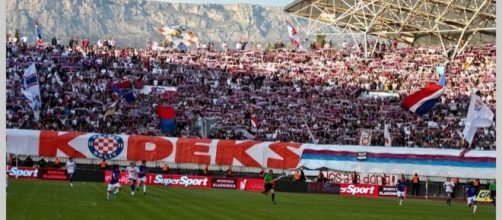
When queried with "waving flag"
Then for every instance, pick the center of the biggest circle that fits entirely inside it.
(386, 135)
(124, 89)
(37, 31)
(167, 117)
(179, 36)
(293, 34)
(478, 116)
(31, 90)
(254, 121)
(423, 100)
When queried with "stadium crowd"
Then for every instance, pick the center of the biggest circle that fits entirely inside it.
(287, 91)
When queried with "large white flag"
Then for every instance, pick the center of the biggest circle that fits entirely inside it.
(386, 134)
(31, 90)
(478, 116)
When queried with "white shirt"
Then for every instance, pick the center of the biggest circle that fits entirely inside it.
(133, 172)
(70, 166)
(448, 186)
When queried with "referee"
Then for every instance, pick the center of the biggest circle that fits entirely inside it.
(269, 185)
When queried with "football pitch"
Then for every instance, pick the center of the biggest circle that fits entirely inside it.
(28, 199)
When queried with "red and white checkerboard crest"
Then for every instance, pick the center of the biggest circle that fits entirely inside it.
(105, 146)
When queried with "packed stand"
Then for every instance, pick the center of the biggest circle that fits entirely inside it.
(287, 91)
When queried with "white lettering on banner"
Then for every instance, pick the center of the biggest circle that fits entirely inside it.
(184, 180)
(14, 171)
(352, 189)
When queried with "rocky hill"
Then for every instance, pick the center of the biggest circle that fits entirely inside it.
(132, 22)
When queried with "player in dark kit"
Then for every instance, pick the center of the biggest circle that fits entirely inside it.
(269, 185)
(114, 185)
(142, 177)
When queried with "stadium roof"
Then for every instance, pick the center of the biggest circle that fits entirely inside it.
(402, 20)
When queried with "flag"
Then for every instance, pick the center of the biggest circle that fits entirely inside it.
(365, 138)
(167, 117)
(478, 116)
(170, 93)
(423, 100)
(293, 34)
(124, 89)
(111, 110)
(31, 90)
(254, 121)
(37, 31)
(386, 134)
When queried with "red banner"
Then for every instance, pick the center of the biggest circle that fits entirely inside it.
(359, 190)
(22, 172)
(252, 184)
(167, 180)
(151, 148)
(225, 183)
(53, 174)
(248, 184)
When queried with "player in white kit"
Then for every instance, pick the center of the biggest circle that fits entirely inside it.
(448, 187)
(133, 171)
(70, 168)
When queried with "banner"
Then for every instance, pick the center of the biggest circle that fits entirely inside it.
(166, 180)
(316, 187)
(22, 172)
(277, 155)
(388, 191)
(53, 174)
(151, 148)
(224, 183)
(359, 190)
(363, 178)
(484, 196)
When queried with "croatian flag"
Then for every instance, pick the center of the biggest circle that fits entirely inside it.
(124, 89)
(423, 100)
(167, 117)
(293, 34)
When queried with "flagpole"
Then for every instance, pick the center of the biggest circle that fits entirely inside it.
(310, 132)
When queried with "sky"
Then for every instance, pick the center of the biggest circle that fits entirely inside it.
(281, 3)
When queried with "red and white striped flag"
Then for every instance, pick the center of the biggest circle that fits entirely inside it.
(293, 34)
(254, 121)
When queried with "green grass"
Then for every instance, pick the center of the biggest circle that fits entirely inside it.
(27, 199)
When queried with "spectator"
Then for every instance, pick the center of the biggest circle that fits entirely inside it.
(165, 168)
(57, 163)
(302, 176)
(416, 184)
(355, 178)
(28, 162)
(41, 162)
(321, 178)
(206, 170)
(230, 172)
(297, 176)
(103, 165)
